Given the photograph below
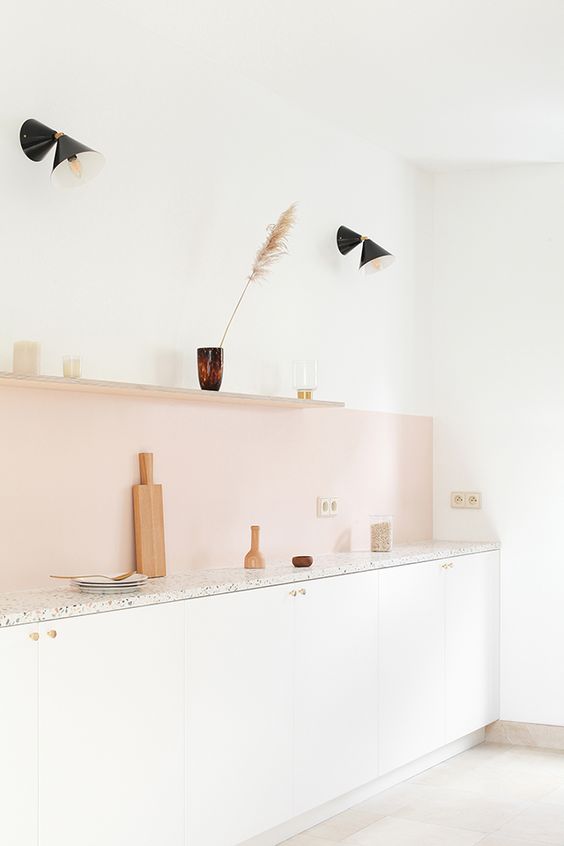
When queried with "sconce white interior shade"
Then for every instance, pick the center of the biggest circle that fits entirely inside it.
(77, 170)
(377, 264)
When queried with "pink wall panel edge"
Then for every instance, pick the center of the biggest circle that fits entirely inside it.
(68, 462)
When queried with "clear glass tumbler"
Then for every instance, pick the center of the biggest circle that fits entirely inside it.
(305, 378)
(71, 367)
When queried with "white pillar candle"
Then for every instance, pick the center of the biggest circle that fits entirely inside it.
(71, 366)
(26, 358)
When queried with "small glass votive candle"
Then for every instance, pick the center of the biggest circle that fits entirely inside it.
(381, 532)
(71, 367)
(305, 378)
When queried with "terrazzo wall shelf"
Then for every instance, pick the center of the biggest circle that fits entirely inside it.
(95, 386)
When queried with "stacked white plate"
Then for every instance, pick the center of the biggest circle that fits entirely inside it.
(104, 584)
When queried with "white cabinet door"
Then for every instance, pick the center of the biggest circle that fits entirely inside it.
(111, 727)
(239, 693)
(335, 743)
(472, 643)
(18, 735)
(411, 663)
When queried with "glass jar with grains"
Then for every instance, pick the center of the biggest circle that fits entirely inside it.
(381, 529)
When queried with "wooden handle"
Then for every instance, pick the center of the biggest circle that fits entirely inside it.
(146, 468)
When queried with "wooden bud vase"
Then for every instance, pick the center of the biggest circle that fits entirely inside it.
(254, 559)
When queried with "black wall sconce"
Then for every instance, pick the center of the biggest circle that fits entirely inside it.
(372, 258)
(74, 163)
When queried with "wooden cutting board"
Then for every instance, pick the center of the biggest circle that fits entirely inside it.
(149, 521)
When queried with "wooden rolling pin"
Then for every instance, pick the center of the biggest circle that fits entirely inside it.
(149, 521)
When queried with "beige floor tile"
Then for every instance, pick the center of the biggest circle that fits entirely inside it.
(389, 801)
(459, 809)
(392, 831)
(548, 762)
(521, 785)
(345, 824)
(500, 840)
(542, 822)
(492, 795)
(307, 840)
(555, 797)
(476, 756)
(382, 805)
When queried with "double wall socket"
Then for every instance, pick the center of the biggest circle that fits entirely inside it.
(465, 499)
(327, 506)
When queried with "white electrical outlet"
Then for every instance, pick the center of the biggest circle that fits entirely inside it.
(465, 499)
(327, 506)
(323, 507)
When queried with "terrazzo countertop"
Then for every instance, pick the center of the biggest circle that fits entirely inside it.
(34, 606)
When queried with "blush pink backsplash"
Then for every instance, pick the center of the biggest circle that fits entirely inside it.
(68, 461)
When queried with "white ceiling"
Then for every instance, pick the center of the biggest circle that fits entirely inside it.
(446, 83)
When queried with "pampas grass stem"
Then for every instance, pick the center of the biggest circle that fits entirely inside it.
(274, 247)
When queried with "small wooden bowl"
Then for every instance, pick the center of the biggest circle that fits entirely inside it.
(302, 561)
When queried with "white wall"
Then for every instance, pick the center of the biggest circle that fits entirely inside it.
(499, 403)
(138, 268)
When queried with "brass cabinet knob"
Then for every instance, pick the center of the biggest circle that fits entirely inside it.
(302, 591)
(450, 565)
(34, 635)
(52, 633)
(293, 593)
(444, 565)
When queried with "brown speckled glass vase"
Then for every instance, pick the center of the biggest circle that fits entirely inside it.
(210, 368)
